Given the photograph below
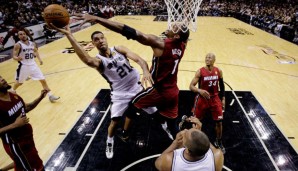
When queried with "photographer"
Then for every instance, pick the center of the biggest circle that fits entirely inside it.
(191, 150)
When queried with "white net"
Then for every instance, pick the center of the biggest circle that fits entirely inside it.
(183, 14)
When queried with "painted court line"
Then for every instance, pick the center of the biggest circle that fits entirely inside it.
(256, 132)
(89, 143)
(150, 157)
(232, 102)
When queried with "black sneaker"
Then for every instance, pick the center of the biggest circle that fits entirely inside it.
(218, 144)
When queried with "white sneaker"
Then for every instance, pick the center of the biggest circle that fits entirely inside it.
(166, 129)
(53, 98)
(109, 150)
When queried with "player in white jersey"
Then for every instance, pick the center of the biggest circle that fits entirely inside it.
(113, 65)
(191, 151)
(24, 51)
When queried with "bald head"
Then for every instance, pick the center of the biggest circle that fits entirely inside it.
(197, 142)
(210, 55)
(210, 59)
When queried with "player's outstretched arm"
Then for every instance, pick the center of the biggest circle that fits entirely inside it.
(82, 54)
(128, 32)
(147, 78)
(32, 105)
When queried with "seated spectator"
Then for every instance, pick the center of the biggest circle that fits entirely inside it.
(49, 33)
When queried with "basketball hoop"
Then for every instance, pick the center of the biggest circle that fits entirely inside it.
(183, 14)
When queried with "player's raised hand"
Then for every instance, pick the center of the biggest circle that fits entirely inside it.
(65, 30)
(44, 93)
(147, 80)
(85, 17)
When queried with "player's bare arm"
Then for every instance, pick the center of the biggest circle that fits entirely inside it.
(20, 121)
(164, 161)
(82, 54)
(147, 78)
(128, 32)
(218, 158)
(36, 53)
(195, 89)
(194, 82)
(15, 52)
(32, 105)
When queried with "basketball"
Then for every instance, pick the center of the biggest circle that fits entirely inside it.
(57, 15)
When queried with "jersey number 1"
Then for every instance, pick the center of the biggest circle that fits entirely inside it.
(175, 67)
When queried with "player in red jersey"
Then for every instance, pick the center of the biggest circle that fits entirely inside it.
(16, 132)
(209, 78)
(14, 33)
(167, 54)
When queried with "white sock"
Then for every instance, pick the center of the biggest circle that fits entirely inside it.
(50, 94)
(110, 139)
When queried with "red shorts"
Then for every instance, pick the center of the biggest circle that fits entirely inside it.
(24, 155)
(203, 106)
(165, 102)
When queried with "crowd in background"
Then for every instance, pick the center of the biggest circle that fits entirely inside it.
(270, 15)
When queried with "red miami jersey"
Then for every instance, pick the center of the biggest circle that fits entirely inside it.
(209, 80)
(18, 143)
(9, 111)
(164, 69)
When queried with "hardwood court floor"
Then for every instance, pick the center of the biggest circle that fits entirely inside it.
(251, 60)
(84, 146)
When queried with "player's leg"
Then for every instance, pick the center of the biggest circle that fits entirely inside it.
(119, 105)
(217, 115)
(110, 139)
(22, 73)
(38, 75)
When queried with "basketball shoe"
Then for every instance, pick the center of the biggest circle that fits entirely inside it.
(53, 98)
(218, 144)
(110, 150)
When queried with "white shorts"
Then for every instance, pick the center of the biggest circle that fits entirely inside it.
(120, 101)
(24, 71)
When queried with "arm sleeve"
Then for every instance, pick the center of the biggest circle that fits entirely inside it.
(222, 88)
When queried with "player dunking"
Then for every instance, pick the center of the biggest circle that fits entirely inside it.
(209, 78)
(113, 64)
(167, 54)
(24, 52)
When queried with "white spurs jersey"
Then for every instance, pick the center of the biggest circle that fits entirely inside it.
(207, 163)
(27, 53)
(118, 72)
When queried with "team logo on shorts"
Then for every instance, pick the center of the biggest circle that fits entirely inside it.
(220, 117)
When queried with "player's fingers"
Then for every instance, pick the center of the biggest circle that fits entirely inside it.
(78, 15)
